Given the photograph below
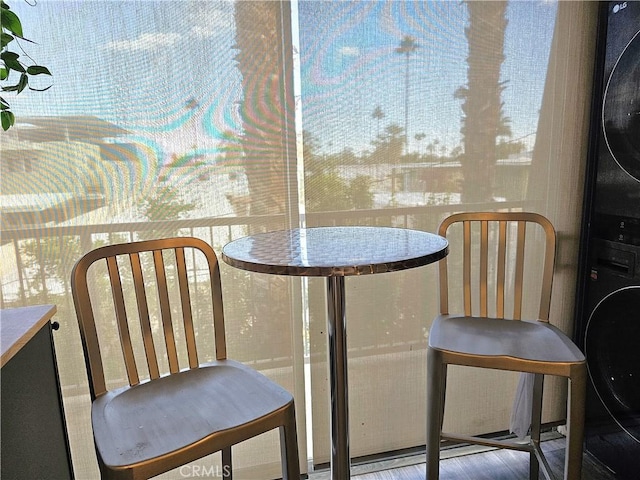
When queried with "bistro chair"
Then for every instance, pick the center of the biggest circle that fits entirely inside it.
(174, 407)
(486, 336)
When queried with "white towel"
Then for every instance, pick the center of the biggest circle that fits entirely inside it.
(522, 402)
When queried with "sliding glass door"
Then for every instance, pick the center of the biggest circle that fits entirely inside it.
(218, 119)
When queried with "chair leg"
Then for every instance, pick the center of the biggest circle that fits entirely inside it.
(436, 385)
(536, 419)
(575, 423)
(227, 469)
(289, 447)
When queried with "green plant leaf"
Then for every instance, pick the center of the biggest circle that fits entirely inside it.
(24, 81)
(4, 73)
(7, 119)
(11, 61)
(10, 88)
(38, 70)
(6, 39)
(6, 55)
(11, 22)
(40, 89)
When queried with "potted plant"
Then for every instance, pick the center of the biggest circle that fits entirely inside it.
(12, 62)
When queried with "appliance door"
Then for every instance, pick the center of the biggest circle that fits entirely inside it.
(612, 346)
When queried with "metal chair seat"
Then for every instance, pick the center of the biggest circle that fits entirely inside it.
(213, 406)
(500, 338)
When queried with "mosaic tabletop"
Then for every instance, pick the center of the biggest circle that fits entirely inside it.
(335, 251)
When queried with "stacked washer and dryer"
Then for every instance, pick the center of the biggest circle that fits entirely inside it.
(608, 295)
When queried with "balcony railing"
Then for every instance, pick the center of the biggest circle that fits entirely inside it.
(33, 257)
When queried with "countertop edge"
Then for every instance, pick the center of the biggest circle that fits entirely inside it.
(19, 325)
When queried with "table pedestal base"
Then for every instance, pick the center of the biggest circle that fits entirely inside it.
(337, 339)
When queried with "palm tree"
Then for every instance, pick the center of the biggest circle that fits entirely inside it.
(388, 148)
(378, 115)
(483, 119)
(260, 58)
(407, 46)
(419, 137)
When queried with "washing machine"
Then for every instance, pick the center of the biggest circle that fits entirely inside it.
(608, 293)
(611, 343)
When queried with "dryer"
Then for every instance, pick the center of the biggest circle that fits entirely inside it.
(608, 294)
(611, 342)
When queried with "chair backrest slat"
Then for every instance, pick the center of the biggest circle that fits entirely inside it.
(185, 302)
(121, 318)
(444, 283)
(549, 265)
(467, 268)
(156, 316)
(218, 316)
(519, 270)
(501, 268)
(484, 267)
(143, 315)
(500, 263)
(165, 312)
(88, 332)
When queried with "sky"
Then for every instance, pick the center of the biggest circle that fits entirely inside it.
(349, 66)
(168, 75)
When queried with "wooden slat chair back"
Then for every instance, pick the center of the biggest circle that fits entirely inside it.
(500, 249)
(145, 290)
(489, 329)
(158, 420)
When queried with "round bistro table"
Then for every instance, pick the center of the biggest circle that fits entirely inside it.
(334, 253)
